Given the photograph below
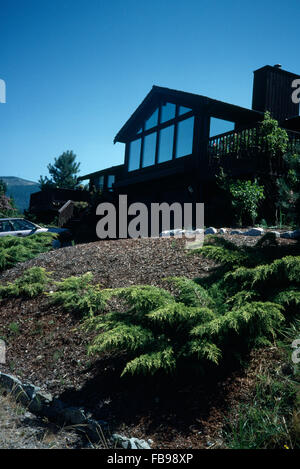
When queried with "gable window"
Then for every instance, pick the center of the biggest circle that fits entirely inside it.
(219, 126)
(185, 133)
(134, 155)
(156, 139)
(149, 150)
(183, 110)
(168, 111)
(152, 121)
(165, 148)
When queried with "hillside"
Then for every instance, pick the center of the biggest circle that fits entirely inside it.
(20, 189)
(46, 345)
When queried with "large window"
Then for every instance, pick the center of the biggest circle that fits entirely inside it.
(185, 132)
(134, 155)
(183, 110)
(152, 121)
(167, 112)
(149, 150)
(219, 126)
(165, 148)
(162, 124)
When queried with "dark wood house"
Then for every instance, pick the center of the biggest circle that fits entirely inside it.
(176, 141)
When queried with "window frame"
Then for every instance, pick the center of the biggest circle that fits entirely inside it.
(157, 129)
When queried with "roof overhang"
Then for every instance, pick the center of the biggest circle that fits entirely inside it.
(196, 102)
(112, 169)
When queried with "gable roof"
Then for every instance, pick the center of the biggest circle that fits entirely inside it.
(191, 100)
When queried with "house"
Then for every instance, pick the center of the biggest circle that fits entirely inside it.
(176, 141)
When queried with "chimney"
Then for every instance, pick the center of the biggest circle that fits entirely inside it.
(272, 91)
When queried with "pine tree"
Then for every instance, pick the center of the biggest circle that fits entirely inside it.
(63, 172)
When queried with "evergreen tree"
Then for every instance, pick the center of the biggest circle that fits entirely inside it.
(63, 172)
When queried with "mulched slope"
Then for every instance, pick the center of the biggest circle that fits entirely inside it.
(46, 347)
(118, 263)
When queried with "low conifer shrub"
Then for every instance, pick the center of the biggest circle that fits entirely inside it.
(32, 283)
(242, 304)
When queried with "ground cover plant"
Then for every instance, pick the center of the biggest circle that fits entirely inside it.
(32, 283)
(78, 295)
(243, 304)
(14, 249)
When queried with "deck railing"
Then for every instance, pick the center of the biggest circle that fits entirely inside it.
(245, 145)
(65, 213)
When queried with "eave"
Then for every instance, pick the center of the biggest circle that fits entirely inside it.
(194, 101)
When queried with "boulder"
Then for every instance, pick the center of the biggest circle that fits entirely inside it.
(287, 235)
(275, 233)
(254, 232)
(211, 230)
(296, 234)
(130, 443)
(73, 415)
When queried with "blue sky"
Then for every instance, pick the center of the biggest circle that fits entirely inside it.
(75, 70)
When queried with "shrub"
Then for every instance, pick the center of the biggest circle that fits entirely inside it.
(14, 249)
(245, 197)
(30, 284)
(77, 295)
(241, 306)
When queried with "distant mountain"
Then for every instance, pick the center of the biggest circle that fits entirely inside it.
(20, 190)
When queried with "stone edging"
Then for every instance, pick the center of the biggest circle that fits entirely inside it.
(43, 404)
(295, 234)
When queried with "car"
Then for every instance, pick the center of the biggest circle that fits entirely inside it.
(21, 227)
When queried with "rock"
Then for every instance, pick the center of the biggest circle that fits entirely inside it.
(73, 415)
(14, 386)
(287, 235)
(27, 394)
(296, 234)
(42, 403)
(141, 444)
(123, 441)
(254, 232)
(222, 231)
(9, 382)
(31, 390)
(211, 230)
(275, 233)
(53, 411)
(130, 443)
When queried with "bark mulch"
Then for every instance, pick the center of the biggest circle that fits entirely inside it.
(46, 347)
